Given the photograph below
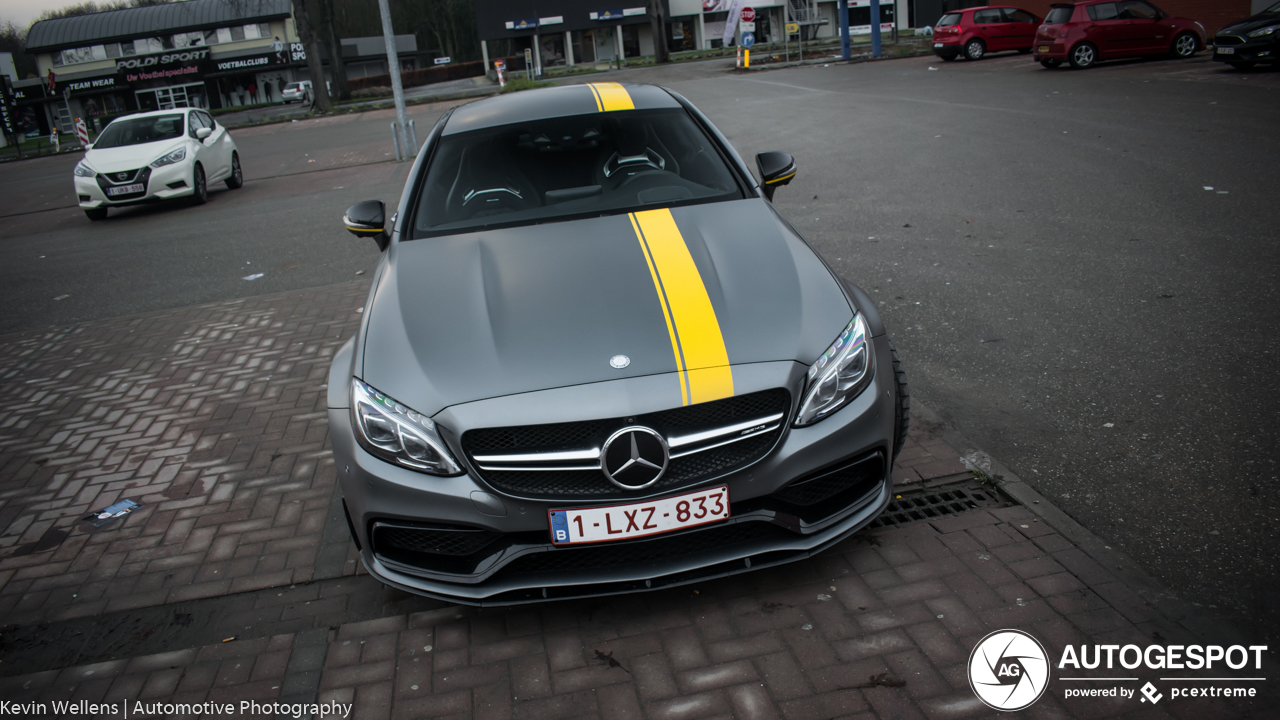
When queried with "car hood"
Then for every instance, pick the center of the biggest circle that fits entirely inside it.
(486, 314)
(1243, 26)
(130, 157)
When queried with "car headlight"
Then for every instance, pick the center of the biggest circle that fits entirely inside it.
(842, 372)
(176, 156)
(1268, 30)
(83, 170)
(398, 434)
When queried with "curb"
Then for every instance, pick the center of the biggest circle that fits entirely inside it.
(1171, 606)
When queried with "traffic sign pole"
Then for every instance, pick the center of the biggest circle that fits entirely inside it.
(875, 28)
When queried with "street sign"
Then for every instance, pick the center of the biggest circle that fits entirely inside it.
(793, 28)
(748, 39)
(748, 14)
(747, 27)
(443, 60)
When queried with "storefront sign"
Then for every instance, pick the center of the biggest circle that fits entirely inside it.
(249, 63)
(8, 113)
(525, 24)
(30, 93)
(179, 64)
(443, 60)
(82, 87)
(617, 14)
(297, 52)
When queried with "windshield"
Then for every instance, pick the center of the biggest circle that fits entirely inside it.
(948, 20)
(1273, 9)
(1058, 15)
(138, 130)
(557, 168)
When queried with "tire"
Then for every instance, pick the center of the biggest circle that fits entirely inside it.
(901, 405)
(1241, 65)
(198, 184)
(96, 214)
(975, 49)
(1083, 56)
(237, 177)
(1184, 46)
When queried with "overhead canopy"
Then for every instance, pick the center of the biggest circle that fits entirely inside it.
(151, 21)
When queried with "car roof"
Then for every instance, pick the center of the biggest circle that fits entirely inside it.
(559, 101)
(149, 113)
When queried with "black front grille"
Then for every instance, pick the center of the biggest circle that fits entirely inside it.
(1228, 40)
(109, 180)
(580, 485)
(824, 494)
(640, 552)
(441, 548)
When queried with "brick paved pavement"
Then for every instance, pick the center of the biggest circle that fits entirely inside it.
(213, 418)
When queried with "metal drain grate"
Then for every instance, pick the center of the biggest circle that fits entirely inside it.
(936, 502)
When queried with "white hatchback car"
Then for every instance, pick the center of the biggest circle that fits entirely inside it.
(297, 91)
(153, 156)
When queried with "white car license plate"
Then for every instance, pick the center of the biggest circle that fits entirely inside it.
(624, 522)
(1226, 50)
(937, 44)
(126, 189)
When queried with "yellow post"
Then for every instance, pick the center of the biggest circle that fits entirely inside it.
(746, 58)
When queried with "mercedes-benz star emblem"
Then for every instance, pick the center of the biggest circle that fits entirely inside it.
(634, 458)
(619, 361)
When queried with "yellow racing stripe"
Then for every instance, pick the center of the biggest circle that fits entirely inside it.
(701, 358)
(611, 96)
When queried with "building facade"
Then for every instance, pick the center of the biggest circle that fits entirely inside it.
(569, 32)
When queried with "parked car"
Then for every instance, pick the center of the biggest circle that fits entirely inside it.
(1085, 33)
(595, 359)
(297, 92)
(157, 155)
(1250, 41)
(975, 32)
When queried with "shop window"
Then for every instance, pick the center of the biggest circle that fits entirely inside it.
(237, 33)
(182, 40)
(264, 30)
(631, 41)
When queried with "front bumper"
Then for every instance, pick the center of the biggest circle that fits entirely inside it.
(849, 452)
(1260, 50)
(90, 193)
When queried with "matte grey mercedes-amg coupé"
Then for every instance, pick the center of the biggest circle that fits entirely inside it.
(595, 360)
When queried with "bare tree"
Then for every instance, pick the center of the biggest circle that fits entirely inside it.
(306, 31)
(658, 22)
(13, 39)
(336, 64)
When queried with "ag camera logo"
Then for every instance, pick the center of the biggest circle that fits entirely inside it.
(1009, 670)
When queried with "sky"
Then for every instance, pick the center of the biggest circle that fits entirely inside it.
(24, 12)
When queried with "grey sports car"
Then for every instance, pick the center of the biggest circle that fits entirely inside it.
(595, 359)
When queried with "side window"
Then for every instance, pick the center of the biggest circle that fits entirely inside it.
(1136, 10)
(1102, 11)
(983, 17)
(208, 120)
(1018, 16)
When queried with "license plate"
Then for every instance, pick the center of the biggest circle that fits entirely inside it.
(1226, 51)
(580, 526)
(126, 189)
(1044, 48)
(937, 44)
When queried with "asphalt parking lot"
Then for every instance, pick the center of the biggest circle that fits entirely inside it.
(1076, 266)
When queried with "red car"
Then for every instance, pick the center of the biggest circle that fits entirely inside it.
(1085, 32)
(974, 32)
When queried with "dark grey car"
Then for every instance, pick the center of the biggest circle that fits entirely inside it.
(595, 359)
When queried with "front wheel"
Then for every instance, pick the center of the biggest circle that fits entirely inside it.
(201, 194)
(901, 404)
(1083, 56)
(96, 214)
(237, 177)
(975, 50)
(1050, 63)
(1185, 45)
